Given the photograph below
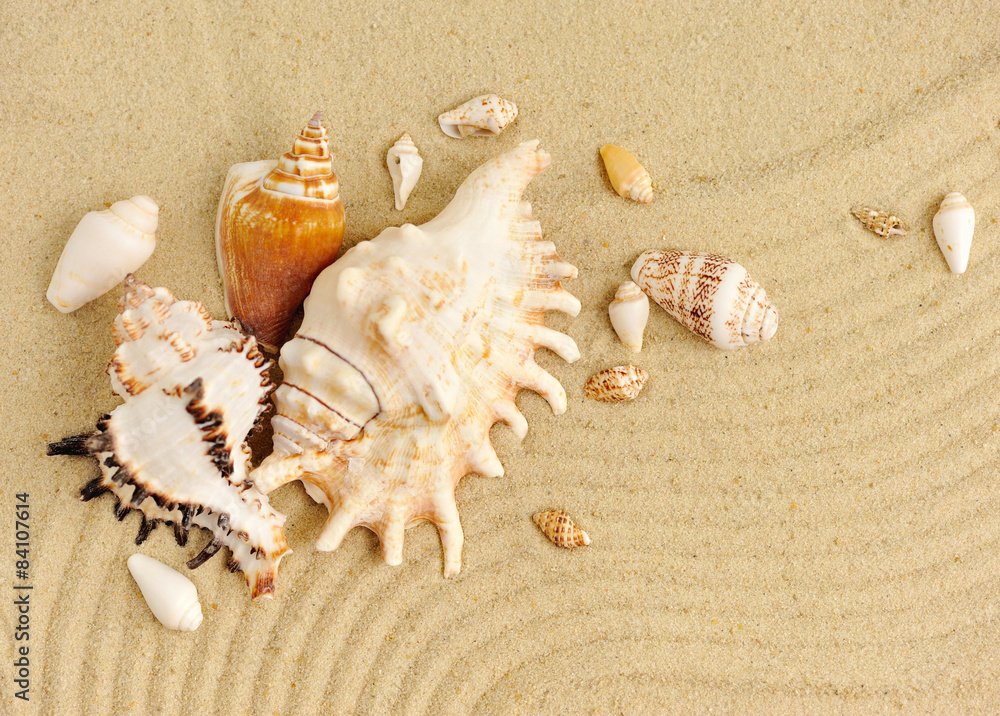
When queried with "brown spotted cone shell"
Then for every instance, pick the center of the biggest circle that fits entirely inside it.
(879, 222)
(559, 527)
(623, 382)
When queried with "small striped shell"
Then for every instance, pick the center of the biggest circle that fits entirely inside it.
(616, 384)
(879, 222)
(559, 527)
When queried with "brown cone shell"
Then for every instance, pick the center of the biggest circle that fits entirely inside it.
(279, 224)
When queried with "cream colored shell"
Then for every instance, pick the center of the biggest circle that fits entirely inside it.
(954, 224)
(486, 115)
(170, 595)
(629, 313)
(622, 382)
(103, 248)
(879, 222)
(712, 296)
(404, 163)
(412, 346)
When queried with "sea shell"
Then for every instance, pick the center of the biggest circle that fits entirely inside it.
(629, 313)
(170, 595)
(627, 175)
(622, 382)
(103, 248)
(712, 296)
(954, 224)
(559, 527)
(279, 224)
(413, 345)
(404, 164)
(176, 449)
(486, 115)
(878, 222)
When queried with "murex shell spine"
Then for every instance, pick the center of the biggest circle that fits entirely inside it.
(412, 346)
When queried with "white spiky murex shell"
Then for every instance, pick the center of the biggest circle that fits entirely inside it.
(412, 346)
(176, 449)
(483, 116)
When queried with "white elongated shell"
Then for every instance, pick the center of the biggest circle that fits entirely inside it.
(629, 313)
(616, 384)
(954, 224)
(404, 164)
(103, 248)
(486, 115)
(412, 346)
(712, 296)
(170, 595)
(176, 449)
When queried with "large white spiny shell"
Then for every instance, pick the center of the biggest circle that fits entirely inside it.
(405, 163)
(954, 224)
(629, 313)
(104, 247)
(486, 115)
(712, 296)
(176, 449)
(170, 595)
(413, 344)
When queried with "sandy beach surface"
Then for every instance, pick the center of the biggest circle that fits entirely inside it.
(805, 526)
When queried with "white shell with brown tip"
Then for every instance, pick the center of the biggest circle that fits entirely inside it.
(103, 248)
(712, 296)
(482, 116)
(628, 177)
(616, 384)
(559, 527)
(629, 313)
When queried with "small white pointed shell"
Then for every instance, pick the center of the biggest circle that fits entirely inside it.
(712, 296)
(628, 177)
(954, 224)
(404, 164)
(629, 313)
(486, 115)
(103, 248)
(171, 596)
(616, 384)
(878, 222)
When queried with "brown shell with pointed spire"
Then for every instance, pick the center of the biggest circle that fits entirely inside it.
(279, 224)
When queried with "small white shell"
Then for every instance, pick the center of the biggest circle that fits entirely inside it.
(171, 596)
(953, 226)
(629, 313)
(486, 115)
(103, 248)
(623, 382)
(404, 164)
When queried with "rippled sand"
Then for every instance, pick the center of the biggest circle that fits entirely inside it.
(805, 526)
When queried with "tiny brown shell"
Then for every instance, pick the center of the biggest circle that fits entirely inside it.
(622, 382)
(559, 527)
(879, 222)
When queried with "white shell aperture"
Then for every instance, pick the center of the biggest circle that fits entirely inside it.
(483, 116)
(412, 346)
(405, 163)
(629, 313)
(103, 248)
(954, 224)
(170, 595)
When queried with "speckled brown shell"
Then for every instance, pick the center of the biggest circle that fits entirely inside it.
(623, 382)
(559, 527)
